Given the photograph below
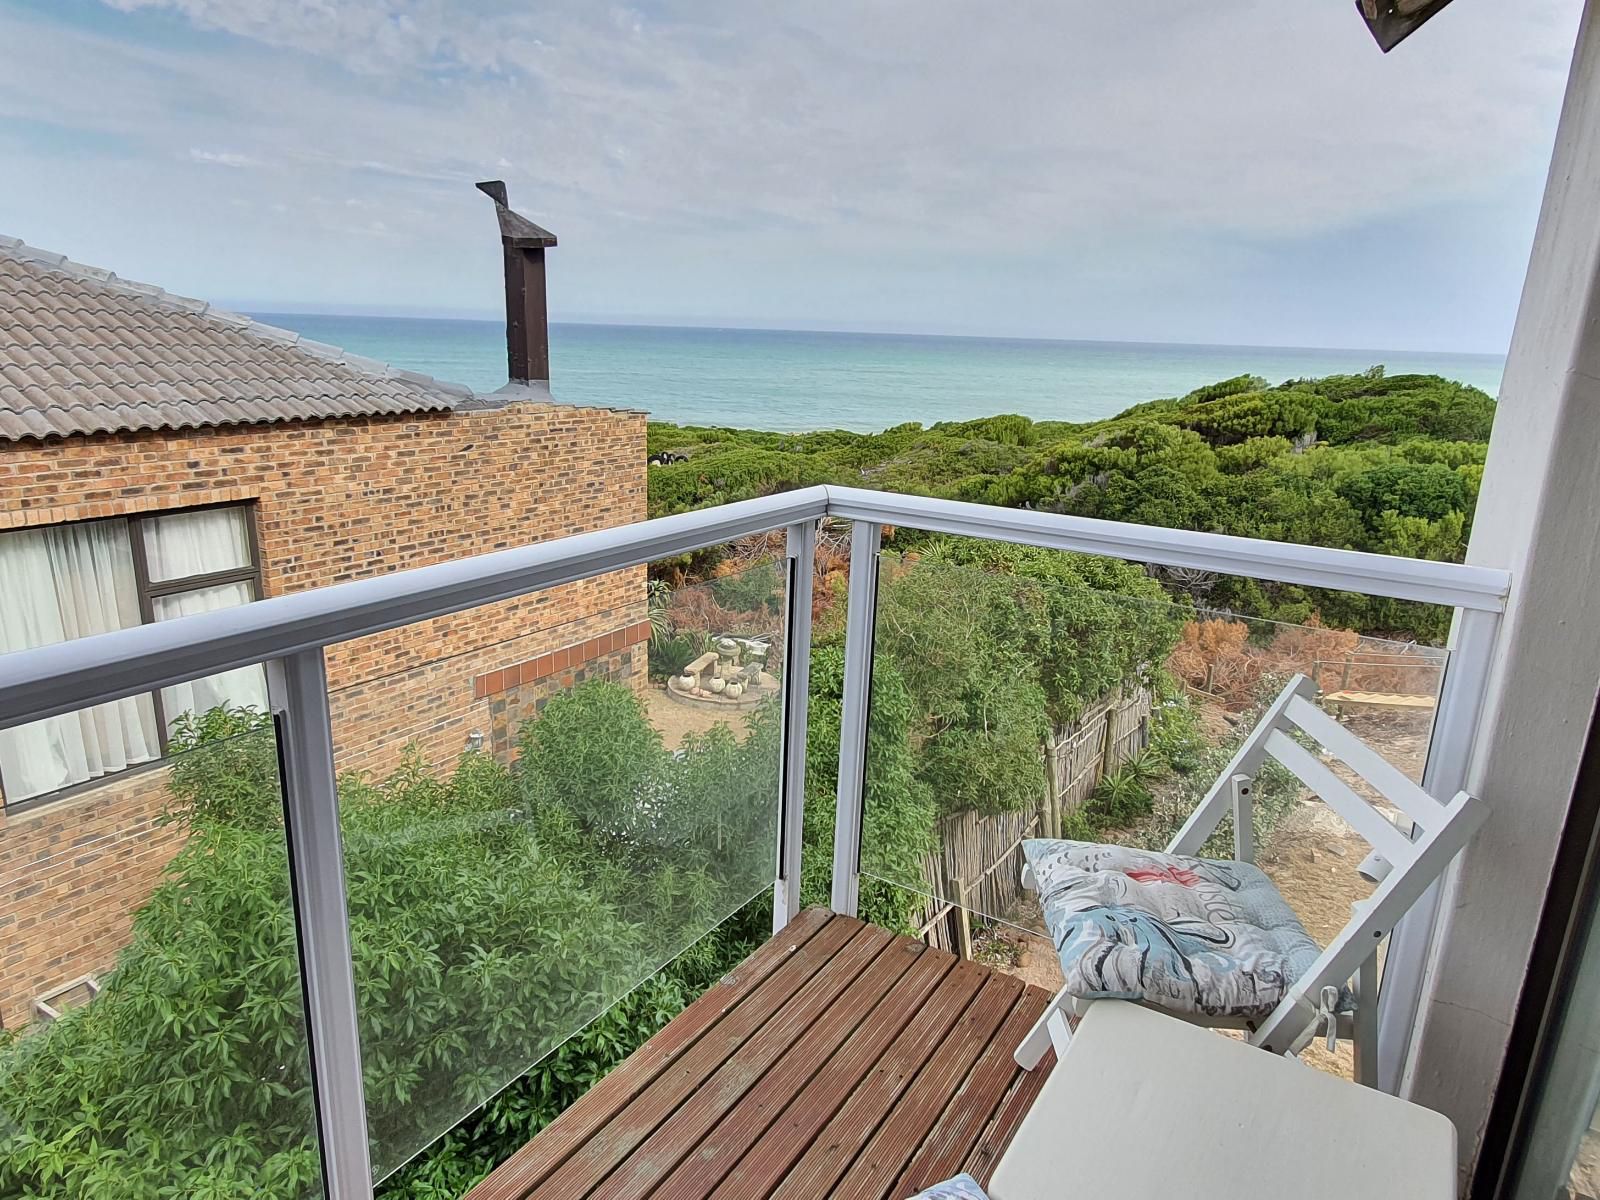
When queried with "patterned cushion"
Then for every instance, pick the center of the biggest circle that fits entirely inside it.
(962, 1187)
(1196, 935)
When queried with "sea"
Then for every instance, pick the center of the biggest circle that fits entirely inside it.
(793, 381)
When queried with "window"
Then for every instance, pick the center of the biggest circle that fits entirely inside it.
(71, 581)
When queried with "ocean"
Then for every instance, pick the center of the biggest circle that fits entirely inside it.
(791, 381)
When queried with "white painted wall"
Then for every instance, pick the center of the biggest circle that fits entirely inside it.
(1539, 517)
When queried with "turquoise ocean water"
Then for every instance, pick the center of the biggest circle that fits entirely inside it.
(774, 379)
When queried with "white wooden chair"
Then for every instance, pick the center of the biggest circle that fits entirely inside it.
(1401, 866)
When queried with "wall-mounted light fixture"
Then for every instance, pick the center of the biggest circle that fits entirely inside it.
(475, 740)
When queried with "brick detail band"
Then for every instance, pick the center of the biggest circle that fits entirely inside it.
(535, 669)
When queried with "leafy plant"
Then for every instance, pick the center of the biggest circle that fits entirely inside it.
(1121, 797)
(493, 912)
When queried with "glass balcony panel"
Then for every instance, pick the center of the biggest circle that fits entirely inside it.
(539, 814)
(155, 1039)
(1077, 702)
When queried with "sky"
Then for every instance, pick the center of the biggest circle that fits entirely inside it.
(1247, 172)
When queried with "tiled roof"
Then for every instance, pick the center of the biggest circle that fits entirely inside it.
(82, 351)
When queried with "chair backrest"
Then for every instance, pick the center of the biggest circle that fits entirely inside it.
(1440, 832)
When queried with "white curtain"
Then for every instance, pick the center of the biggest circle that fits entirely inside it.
(200, 543)
(196, 543)
(244, 686)
(56, 584)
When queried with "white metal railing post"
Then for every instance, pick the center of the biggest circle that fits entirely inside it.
(802, 554)
(866, 540)
(298, 685)
(1455, 726)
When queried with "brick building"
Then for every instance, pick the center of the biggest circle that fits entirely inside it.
(159, 458)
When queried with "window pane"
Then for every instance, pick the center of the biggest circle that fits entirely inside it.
(196, 543)
(56, 584)
(245, 687)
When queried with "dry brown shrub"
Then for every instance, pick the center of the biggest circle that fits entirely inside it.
(696, 609)
(1215, 656)
(1299, 648)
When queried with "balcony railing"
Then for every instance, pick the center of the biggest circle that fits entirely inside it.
(297, 635)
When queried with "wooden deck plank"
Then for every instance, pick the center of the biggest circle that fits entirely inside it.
(975, 1102)
(857, 975)
(997, 1136)
(767, 977)
(878, 1165)
(836, 1061)
(797, 1126)
(745, 1122)
(525, 1169)
(611, 1146)
(815, 1175)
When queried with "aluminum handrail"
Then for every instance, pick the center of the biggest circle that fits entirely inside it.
(49, 680)
(1450, 584)
(66, 676)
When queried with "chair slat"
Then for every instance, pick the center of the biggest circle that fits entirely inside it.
(1373, 921)
(1203, 821)
(1400, 791)
(1372, 825)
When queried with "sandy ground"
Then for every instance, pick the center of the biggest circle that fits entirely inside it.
(1311, 856)
(673, 720)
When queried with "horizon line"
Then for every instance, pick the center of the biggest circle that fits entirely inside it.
(255, 311)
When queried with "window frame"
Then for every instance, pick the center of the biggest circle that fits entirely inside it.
(148, 592)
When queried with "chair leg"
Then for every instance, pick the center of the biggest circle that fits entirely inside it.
(1040, 1037)
(1364, 1034)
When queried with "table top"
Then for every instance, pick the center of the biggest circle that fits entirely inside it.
(1144, 1104)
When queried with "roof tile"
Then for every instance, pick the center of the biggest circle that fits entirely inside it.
(84, 351)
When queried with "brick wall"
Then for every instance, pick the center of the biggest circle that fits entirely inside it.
(334, 501)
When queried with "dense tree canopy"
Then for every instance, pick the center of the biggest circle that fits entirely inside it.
(1389, 464)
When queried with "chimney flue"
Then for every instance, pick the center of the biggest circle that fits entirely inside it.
(527, 318)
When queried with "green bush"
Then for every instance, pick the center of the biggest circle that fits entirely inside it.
(899, 812)
(1318, 461)
(755, 589)
(671, 653)
(493, 911)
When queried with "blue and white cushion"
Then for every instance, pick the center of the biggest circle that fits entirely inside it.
(962, 1187)
(1195, 935)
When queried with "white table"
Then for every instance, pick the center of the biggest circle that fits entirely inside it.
(1144, 1105)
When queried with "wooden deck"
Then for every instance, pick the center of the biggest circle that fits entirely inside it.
(836, 1061)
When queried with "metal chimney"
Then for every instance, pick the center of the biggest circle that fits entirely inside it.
(527, 316)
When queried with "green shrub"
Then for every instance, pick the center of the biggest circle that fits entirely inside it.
(1318, 461)
(493, 911)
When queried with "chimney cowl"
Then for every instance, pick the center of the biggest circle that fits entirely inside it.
(527, 316)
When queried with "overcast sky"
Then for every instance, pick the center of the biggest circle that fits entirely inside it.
(1166, 170)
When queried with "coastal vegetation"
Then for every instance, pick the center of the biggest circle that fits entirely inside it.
(1389, 464)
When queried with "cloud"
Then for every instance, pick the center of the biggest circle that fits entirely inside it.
(873, 137)
(221, 158)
